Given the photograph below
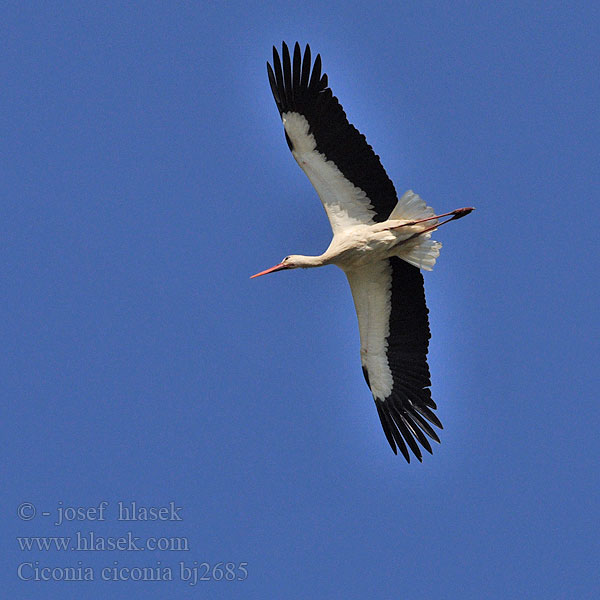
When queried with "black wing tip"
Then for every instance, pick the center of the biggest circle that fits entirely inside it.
(293, 76)
(286, 51)
(404, 428)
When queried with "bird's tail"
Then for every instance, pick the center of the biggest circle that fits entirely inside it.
(421, 251)
(418, 249)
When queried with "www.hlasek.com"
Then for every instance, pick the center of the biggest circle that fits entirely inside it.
(92, 542)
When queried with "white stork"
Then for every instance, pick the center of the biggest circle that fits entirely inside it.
(380, 242)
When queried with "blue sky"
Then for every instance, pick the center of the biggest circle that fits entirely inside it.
(146, 176)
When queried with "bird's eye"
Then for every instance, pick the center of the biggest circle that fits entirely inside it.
(286, 258)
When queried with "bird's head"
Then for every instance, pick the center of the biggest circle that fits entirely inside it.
(289, 262)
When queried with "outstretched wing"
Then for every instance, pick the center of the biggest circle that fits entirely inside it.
(343, 168)
(394, 338)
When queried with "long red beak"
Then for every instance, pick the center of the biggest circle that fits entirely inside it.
(278, 267)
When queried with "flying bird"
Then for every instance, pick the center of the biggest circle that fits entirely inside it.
(380, 243)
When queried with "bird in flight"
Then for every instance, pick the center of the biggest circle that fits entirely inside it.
(380, 243)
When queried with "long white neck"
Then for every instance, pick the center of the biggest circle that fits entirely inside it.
(306, 262)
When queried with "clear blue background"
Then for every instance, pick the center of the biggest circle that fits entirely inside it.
(145, 176)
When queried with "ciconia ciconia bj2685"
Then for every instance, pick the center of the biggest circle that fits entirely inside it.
(380, 242)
